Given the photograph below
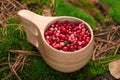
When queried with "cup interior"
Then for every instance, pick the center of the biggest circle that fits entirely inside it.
(70, 19)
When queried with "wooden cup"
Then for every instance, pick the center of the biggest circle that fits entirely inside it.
(35, 26)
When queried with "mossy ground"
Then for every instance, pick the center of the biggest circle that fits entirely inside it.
(114, 10)
(15, 39)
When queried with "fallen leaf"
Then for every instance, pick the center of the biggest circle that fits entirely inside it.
(114, 68)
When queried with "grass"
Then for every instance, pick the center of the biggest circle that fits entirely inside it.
(114, 10)
(38, 69)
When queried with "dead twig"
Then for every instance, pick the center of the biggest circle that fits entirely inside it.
(106, 40)
(116, 50)
(18, 63)
(8, 8)
(13, 67)
(4, 68)
(2, 59)
(24, 52)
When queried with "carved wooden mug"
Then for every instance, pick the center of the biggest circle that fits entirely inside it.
(35, 26)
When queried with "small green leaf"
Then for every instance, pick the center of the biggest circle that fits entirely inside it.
(66, 42)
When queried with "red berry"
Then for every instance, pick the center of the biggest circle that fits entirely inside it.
(72, 48)
(84, 43)
(51, 28)
(65, 48)
(62, 36)
(79, 47)
(87, 39)
(67, 36)
(49, 32)
(79, 43)
(62, 43)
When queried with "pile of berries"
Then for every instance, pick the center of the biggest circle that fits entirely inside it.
(67, 36)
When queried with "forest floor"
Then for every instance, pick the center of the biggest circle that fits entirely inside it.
(19, 60)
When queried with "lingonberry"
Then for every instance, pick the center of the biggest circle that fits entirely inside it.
(67, 36)
(65, 48)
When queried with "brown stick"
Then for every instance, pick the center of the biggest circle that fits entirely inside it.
(24, 52)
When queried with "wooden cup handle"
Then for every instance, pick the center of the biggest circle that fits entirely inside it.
(34, 25)
(30, 26)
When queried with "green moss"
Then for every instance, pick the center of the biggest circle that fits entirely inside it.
(40, 70)
(115, 13)
(110, 58)
(83, 2)
(43, 2)
(25, 1)
(115, 9)
(112, 3)
(93, 9)
(13, 21)
(38, 11)
(66, 9)
(12, 39)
